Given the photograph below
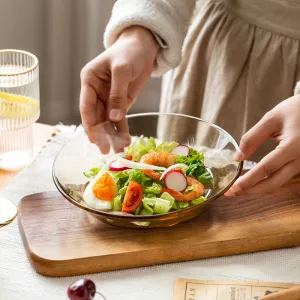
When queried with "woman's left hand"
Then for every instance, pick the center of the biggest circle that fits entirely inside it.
(282, 124)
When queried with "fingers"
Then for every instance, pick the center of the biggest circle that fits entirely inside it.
(269, 165)
(267, 127)
(123, 133)
(118, 132)
(88, 104)
(117, 140)
(99, 135)
(92, 114)
(117, 103)
(274, 182)
(103, 101)
(91, 108)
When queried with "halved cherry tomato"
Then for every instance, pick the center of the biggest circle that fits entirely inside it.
(133, 197)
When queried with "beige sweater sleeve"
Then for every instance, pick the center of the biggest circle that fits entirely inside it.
(167, 19)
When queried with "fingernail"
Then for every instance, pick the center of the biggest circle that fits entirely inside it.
(233, 191)
(229, 194)
(115, 115)
(238, 156)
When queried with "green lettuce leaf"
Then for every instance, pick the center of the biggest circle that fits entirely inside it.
(124, 177)
(123, 190)
(116, 204)
(197, 201)
(147, 209)
(150, 196)
(146, 212)
(180, 205)
(92, 172)
(161, 206)
(149, 202)
(166, 147)
(140, 147)
(196, 169)
(155, 188)
(193, 157)
(190, 188)
(168, 197)
(195, 162)
(205, 178)
(137, 211)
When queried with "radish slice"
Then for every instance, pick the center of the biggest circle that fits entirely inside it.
(176, 181)
(182, 150)
(176, 166)
(115, 166)
(135, 165)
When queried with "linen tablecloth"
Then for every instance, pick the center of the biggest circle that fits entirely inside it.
(19, 281)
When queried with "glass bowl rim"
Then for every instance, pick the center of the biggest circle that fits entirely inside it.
(138, 217)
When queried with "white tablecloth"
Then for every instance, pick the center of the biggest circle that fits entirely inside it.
(18, 281)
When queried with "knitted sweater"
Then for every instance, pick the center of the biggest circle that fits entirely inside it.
(168, 19)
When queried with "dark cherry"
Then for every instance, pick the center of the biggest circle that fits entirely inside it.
(83, 289)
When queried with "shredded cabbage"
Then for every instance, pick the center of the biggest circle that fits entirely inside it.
(161, 206)
(168, 197)
(147, 209)
(116, 204)
(180, 205)
(124, 177)
(92, 172)
(155, 188)
(140, 147)
(190, 188)
(166, 147)
(149, 202)
(197, 201)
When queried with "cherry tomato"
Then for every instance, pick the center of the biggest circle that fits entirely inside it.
(133, 197)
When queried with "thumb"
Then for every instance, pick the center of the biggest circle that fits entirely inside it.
(117, 104)
(267, 127)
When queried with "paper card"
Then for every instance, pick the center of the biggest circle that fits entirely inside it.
(188, 289)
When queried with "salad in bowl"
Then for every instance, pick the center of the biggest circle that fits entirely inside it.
(174, 168)
(149, 178)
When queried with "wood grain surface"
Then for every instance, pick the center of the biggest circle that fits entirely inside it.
(62, 240)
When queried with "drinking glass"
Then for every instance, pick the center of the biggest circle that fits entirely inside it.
(19, 109)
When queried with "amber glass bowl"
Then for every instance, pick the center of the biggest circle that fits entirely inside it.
(79, 155)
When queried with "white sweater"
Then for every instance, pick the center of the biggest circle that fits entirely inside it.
(168, 19)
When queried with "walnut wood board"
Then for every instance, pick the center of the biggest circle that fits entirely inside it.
(62, 240)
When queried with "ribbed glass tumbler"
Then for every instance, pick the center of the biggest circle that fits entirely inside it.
(19, 107)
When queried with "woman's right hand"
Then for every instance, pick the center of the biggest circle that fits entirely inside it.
(111, 82)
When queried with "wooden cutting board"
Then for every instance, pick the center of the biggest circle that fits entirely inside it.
(62, 240)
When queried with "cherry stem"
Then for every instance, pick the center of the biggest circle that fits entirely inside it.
(101, 295)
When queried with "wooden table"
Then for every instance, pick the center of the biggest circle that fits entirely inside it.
(41, 133)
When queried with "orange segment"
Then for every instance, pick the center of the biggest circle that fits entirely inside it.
(105, 188)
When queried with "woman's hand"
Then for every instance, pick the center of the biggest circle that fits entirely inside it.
(282, 124)
(109, 84)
